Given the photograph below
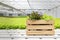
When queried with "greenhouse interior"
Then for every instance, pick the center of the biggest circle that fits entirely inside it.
(12, 7)
(16, 16)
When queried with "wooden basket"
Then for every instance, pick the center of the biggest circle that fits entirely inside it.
(40, 27)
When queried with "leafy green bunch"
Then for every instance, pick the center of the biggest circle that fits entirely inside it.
(35, 16)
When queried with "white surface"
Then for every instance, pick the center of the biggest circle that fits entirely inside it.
(21, 35)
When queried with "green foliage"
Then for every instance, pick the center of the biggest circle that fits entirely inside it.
(56, 20)
(13, 23)
(2, 26)
(57, 26)
(47, 17)
(22, 27)
(20, 22)
(57, 23)
(12, 27)
(35, 16)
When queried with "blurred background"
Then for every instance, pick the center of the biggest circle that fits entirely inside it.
(24, 7)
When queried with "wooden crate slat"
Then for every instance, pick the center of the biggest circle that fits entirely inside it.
(40, 27)
(40, 32)
(40, 22)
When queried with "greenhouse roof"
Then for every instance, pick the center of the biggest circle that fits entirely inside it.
(32, 4)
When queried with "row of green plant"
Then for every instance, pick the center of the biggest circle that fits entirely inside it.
(13, 22)
(12, 27)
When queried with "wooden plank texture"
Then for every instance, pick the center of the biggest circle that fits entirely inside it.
(39, 27)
